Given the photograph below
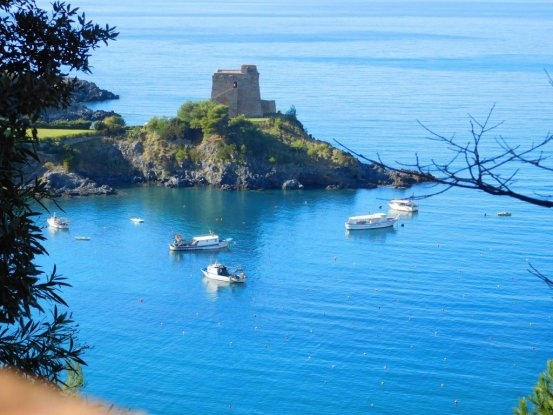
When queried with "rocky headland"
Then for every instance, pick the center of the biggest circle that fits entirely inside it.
(239, 154)
(98, 165)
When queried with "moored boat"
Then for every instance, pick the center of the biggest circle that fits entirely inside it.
(403, 205)
(371, 221)
(220, 272)
(57, 222)
(503, 213)
(199, 243)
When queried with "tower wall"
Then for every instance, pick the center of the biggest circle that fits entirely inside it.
(239, 90)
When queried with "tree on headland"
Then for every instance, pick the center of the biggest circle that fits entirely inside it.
(111, 126)
(210, 117)
(39, 50)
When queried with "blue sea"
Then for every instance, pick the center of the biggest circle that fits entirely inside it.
(438, 315)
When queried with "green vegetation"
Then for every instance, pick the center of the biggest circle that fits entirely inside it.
(37, 337)
(111, 126)
(201, 131)
(541, 400)
(79, 124)
(62, 134)
(277, 139)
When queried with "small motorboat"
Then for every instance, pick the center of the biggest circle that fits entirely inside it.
(198, 243)
(220, 272)
(57, 223)
(371, 221)
(503, 213)
(403, 205)
(137, 220)
(82, 238)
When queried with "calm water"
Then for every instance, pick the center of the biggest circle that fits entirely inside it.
(405, 320)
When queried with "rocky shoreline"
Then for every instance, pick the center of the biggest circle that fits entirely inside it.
(107, 164)
(279, 155)
(62, 184)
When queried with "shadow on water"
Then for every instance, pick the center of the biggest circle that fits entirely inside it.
(403, 215)
(214, 287)
(376, 235)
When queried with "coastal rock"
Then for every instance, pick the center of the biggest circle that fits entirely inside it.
(71, 184)
(75, 111)
(146, 158)
(119, 162)
(85, 92)
(89, 92)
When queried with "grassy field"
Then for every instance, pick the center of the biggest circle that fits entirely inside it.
(59, 133)
(258, 120)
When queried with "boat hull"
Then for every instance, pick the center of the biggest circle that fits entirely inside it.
(409, 209)
(378, 225)
(370, 221)
(188, 247)
(225, 278)
(403, 205)
(56, 224)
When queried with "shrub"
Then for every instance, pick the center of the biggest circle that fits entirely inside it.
(181, 155)
(114, 124)
(226, 152)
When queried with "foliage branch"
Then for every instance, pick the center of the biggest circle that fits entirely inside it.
(39, 49)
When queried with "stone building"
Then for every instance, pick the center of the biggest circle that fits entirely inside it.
(239, 90)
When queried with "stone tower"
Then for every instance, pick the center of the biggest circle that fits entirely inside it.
(239, 90)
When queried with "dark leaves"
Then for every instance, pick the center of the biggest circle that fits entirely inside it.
(37, 50)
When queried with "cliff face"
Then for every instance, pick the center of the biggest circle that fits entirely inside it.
(293, 160)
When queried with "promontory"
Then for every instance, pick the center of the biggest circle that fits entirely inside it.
(205, 144)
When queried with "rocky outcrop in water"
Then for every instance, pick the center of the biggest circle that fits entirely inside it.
(84, 93)
(89, 92)
(268, 158)
(102, 164)
(71, 184)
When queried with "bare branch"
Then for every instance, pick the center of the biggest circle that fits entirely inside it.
(534, 271)
(469, 168)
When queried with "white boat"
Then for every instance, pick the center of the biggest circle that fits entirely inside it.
(503, 213)
(57, 222)
(403, 205)
(371, 221)
(137, 220)
(220, 272)
(198, 243)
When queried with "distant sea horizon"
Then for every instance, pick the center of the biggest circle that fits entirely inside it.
(436, 315)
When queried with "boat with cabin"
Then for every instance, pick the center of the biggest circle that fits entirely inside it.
(199, 243)
(220, 272)
(370, 221)
(403, 205)
(57, 222)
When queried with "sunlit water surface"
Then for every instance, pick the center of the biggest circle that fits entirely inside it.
(437, 315)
